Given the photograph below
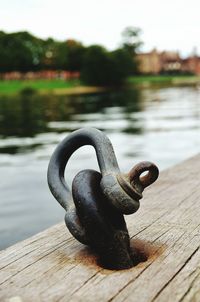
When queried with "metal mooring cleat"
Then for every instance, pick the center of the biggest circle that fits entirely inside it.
(95, 207)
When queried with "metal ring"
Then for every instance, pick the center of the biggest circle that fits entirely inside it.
(95, 207)
(146, 180)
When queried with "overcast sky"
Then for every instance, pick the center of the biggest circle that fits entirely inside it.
(169, 24)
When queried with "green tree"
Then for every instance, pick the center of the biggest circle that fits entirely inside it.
(123, 65)
(131, 42)
(103, 68)
(97, 66)
(61, 59)
(49, 54)
(131, 39)
(75, 53)
(20, 51)
(65, 55)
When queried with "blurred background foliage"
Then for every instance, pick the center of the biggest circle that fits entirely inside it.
(24, 52)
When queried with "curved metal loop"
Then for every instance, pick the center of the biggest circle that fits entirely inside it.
(146, 180)
(95, 207)
(59, 159)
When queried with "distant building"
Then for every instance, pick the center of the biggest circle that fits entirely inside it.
(191, 65)
(155, 62)
(170, 62)
(43, 74)
(149, 63)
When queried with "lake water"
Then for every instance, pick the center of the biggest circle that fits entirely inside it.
(160, 125)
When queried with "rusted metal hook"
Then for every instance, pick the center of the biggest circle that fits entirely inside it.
(95, 207)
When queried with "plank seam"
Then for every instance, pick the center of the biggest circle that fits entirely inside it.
(186, 262)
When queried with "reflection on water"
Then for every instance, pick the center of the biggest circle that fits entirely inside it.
(30, 114)
(160, 125)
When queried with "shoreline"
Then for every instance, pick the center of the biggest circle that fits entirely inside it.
(58, 87)
(74, 90)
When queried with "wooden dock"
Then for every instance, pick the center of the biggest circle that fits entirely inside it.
(53, 266)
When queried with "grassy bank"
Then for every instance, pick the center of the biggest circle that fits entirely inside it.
(75, 86)
(12, 87)
(59, 87)
(163, 80)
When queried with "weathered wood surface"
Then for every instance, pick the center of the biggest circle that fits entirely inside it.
(53, 266)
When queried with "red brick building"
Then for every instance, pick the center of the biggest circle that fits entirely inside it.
(155, 62)
(191, 65)
(43, 74)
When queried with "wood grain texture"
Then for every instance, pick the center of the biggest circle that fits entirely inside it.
(53, 266)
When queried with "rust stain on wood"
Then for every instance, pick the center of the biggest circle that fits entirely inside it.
(146, 251)
(52, 266)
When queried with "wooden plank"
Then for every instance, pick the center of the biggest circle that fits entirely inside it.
(53, 266)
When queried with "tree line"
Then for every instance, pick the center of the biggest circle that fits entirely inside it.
(24, 52)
